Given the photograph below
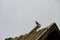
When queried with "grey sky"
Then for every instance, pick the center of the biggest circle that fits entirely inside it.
(18, 16)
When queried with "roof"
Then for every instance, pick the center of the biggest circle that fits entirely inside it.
(35, 35)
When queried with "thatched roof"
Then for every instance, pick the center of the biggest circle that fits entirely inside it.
(40, 34)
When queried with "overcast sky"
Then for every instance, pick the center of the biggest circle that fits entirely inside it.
(18, 16)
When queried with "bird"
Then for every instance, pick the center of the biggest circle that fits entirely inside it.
(37, 23)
